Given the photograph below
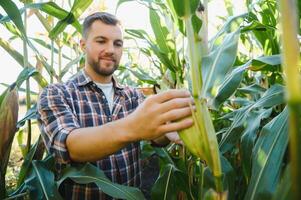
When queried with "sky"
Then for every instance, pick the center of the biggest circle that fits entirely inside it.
(132, 15)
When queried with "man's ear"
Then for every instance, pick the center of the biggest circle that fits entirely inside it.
(83, 45)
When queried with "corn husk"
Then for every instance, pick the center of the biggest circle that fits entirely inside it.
(8, 120)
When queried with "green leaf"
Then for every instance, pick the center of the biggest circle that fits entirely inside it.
(91, 174)
(48, 46)
(229, 177)
(77, 9)
(70, 64)
(121, 2)
(267, 156)
(272, 97)
(21, 89)
(25, 74)
(170, 181)
(50, 8)
(226, 28)
(40, 181)
(30, 114)
(26, 165)
(232, 80)
(261, 63)
(252, 89)
(218, 63)
(13, 29)
(161, 32)
(284, 190)
(141, 75)
(256, 25)
(13, 13)
(234, 132)
(163, 57)
(229, 85)
(249, 136)
(183, 8)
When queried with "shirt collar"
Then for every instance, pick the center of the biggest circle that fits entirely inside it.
(83, 79)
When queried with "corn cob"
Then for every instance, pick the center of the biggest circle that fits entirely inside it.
(8, 120)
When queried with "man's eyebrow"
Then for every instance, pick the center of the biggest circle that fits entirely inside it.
(100, 37)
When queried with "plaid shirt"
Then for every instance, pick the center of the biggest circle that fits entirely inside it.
(80, 103)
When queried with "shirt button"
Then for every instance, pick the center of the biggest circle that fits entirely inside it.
(103, 97)
(110, 119)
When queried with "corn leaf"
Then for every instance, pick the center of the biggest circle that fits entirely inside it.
(21, 89)
(183, 8)
(234, 77)
(228, 86)
(267, 156)
(161, 32)
(77, 9)
(90, 174)
(169, 183)
(13, 13)
(30, 114)
(252, 89)
(272, 97)
(40, 182)
(284, 187)
(70, 64)
(227, 28)
(218, 63)
(249, 136)
(26, 165)
(48, 46)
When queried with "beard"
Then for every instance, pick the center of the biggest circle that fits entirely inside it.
(102, 70)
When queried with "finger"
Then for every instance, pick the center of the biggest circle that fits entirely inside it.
(171, 94)
(175, 114)
(176, 103)
(176, 126)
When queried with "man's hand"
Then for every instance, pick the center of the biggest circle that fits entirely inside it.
(160, 114)
(157, 115)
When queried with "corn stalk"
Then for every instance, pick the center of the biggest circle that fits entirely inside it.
(200, 139)
(28, 104)
(291, 58)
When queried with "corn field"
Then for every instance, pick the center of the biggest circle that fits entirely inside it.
(244, 79)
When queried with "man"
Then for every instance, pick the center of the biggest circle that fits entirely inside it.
(91, 118)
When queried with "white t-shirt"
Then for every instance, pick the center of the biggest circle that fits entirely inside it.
(108, 91)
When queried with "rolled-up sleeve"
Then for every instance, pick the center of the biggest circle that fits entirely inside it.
(56, 120)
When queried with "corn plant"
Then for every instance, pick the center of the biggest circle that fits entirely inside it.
(291, 67)
(244, 94)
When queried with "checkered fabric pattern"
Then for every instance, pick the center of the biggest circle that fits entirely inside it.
(80, 103)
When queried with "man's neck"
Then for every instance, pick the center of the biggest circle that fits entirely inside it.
(98, 78)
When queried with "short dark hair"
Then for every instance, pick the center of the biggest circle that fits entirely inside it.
(104, 17)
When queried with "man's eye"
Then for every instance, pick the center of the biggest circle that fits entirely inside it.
(118, 44)
(100, 41)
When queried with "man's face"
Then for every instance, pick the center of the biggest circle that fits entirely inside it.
(103, 46)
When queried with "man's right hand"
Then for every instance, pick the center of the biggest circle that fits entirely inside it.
(160, 114)
(157, 115)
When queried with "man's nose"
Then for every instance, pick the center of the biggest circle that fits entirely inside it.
(109, 48)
